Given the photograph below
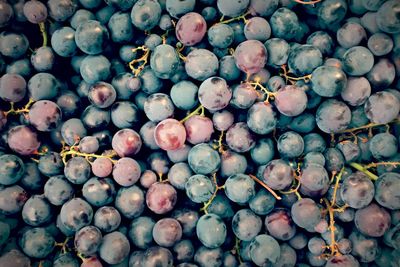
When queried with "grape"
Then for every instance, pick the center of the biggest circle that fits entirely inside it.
(364, 248)
(290, 145)
(278, 174)
(257, 28)
(201, 64)
(184, 95)
(232, 163)
(12, 87)
(12, 168)
(37, 242)
(170, 134)
(214, 93)
(250, 56)
(126, 171)
(120, 27)
(178, 8)
(386, 190)
(264, 249)
(228, 69)
(382, 107)
(7, 14)
(304, 59)
(99, 192)
(383, 145)
(291, 100)
(328, 81)
(58, 190)
(333, 116)
(305, 213)
(240, 188)
(232, 8)
(145, 14)
(382, 73)
(45, 115)
(183, 250)
(372, 220)
(95, 68)
(211, 230)
(208, 257)
(179, 155)
(130, 201)
(357, 61)
(386, 17)
(239, 138)
(166, 232)
(36, 211)
(220, 35)
(179, 174)
(357, 91)
(314, 181)
(190, 29)
(126, 142)
(158, 107)
(63, 42)
(23, 140)
(243, 96)
(65, 260)
(102, 94)
(61, 10)
(262, 203)
(87, 240)
(13, 45)
(107, 219)
(157, 256)
(246, 224)
(141, 232)
(350, 34)
(342, 261)
(164, 61)
(334, 160)
(102, 167)
(76, 213)
(198, 129)
(161, 198)
(15, 258)
(280, 225)
(261, 118)
(203, 159)
(114, 248)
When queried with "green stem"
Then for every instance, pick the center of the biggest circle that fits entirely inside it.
(364, 170)
(42, 27)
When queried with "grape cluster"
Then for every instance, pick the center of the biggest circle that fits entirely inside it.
(234, 133)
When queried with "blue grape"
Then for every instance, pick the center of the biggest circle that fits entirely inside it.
(208, 257)
(114, 248)
(201, 64)
(107, 219)
(243, 96)
(386, 17)
(257, 28)
(183, 250)
(278, 51)
(387, 190)
(188, 220)
(89, 144)
(63, 42)
(80, 16)
(99, 191)
(95, 68)
(145, 14)
(158, 107)
(261, 118)
(357, 190)
(383, 145)
(76, 213)
(87, 240)
(58, 190)
(37, 242)
(246, 224)
(179, 174)
(232, 8)
(214, 93)
(130, 201)
(328, 81)
(382, 107)
(240, 188)
(290, 145)
(304, 59)
(157, 256)
(314, 180)
(284, 23)
(333, 116)
(91, 37)
(36, 211)
(203, 159)
(13, 45)
(141, 232)
(364, 248)
(382, 73)
(7, 14)
(228, 69)
(380, 44)
(211, 230)
(164, 61)
(12, 168)
(61, 10)
(264, 249)
(120, 27)
(184, 95)
(220, 35)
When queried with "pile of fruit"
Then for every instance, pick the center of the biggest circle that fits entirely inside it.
(157, 133)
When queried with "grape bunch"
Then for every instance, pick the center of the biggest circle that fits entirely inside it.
(199, 133)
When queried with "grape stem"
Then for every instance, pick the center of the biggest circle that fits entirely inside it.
(362, 168)
(142, 61)
(265, 186)
(42, 27)
(383, 163)
(217, 188)
(179, 49)
(63, 245)
(236, 249)
(199, 109)
(241, 17)
(73, 151)
(14, 111)
(258, 85)
(219, 144)
(368, 126)
(292, 79)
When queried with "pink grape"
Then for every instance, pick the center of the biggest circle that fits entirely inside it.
(126, 142)
(45, 115)
(250, 56)
(102, 167)
(291, 100)
(161, 198)
(126, 171)
(191, 29)
(23, 140)
(170, 134)
(91, 262)
(148, 178)
(199, 129)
